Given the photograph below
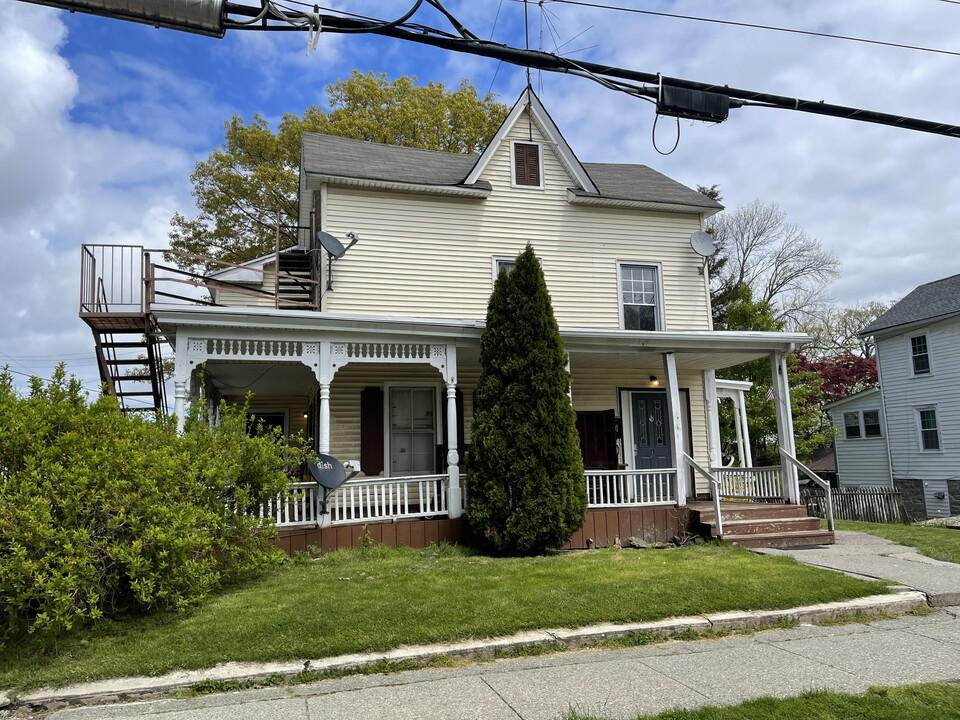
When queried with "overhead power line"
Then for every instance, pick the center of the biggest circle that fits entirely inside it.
(757, 26)
(215, 17)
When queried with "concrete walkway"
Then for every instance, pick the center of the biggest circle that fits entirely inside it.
(612, 683)
(870, 556)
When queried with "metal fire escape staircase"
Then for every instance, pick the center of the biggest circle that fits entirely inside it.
(120, 283)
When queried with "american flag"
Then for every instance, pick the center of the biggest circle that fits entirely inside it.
(769, 394)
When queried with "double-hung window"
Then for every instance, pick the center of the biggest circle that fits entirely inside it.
(929, 428)
(640, 297)
(921, 355)
(851, 425)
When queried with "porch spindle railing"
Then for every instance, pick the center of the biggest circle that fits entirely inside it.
(298, 505)
(389, 498)
(630, 488)
(756, 483)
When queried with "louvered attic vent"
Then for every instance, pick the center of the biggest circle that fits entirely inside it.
(526, 164)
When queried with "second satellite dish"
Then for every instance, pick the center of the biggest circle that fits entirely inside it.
(703, 243)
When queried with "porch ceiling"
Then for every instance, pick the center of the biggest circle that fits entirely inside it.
(260, 378)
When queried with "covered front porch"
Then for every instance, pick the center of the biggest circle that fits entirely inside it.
(392, 399)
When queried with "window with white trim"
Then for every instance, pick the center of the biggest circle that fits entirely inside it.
(640, 297)
(929, 429)
(920, 354)
(412, 431)
(862, 424)
(507, 264)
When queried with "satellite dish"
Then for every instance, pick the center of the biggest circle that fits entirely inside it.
(331, 244)
(703, 243)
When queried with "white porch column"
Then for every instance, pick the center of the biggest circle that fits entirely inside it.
(323, 419)
(454, 496)
(676, 425)
(569, 389)
(743, 430)
(713, 417)
(181, 377)
(781, 400)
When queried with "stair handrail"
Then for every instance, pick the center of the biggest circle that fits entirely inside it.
(817, 479)
(715, 484)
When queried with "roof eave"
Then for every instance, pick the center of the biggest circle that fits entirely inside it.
(903, 327)
(395, 186)
(578, 199)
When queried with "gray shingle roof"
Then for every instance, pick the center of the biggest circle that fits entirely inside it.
(349, 158)
(932, 300)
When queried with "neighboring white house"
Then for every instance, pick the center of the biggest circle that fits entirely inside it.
(918, 365)
(377, 358)
(861, 445)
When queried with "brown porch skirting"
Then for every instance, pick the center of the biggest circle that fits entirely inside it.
(603, 527)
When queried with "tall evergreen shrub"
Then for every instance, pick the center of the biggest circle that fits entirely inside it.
(525, 489)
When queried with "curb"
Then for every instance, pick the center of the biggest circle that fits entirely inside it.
(143, 688)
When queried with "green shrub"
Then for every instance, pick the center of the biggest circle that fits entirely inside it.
(103, 513)
(524, 469)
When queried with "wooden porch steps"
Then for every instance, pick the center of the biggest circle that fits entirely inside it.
(760, 524)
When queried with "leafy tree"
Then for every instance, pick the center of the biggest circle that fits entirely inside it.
(242, 185)
(843, 375)
(524, 468)
(103, 513)
(742, 312)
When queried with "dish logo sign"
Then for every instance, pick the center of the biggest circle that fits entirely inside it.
(327, 471)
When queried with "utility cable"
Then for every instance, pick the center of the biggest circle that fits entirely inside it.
(757, 26)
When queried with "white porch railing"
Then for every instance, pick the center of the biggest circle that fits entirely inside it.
(630, 488)
(752, 483)
(389, 498)
(297, 506)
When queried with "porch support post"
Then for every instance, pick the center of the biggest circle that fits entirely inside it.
(713, 417)
(570, 388)
(743, 430)
(323, 419)
(676, 426)
(781, 400)
(181, 377)
(454, 496)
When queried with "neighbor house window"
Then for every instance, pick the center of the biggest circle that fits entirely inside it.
(527, 165)
(851, 425)
(921, 355)
(640, 297)
(871, 423)
(864, 424)
(929, 429)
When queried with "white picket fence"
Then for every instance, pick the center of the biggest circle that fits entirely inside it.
(630, 488)
(758, 483)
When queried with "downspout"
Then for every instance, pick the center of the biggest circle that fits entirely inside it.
(883, 406)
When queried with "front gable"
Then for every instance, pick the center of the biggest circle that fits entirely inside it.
(528, 123)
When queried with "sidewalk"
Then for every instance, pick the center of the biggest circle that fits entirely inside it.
(870, 556)
(612, 683)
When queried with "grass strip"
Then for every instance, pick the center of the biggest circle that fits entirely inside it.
(937, 542)
(908, 702)
(375, 599)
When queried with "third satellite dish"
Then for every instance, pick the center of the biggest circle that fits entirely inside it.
(703, 243)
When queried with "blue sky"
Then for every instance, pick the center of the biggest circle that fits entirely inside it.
(104, 120)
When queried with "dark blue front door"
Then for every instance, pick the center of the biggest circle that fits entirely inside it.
(651, 430)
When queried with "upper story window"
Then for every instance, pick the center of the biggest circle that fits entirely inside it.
(864, 424)
(929, 428)
(503, 263)
(640, 297)
(527, 165)
(920, 354)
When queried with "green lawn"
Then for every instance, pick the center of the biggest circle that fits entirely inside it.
(930, 701)
(940, 543)
(379, 598)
